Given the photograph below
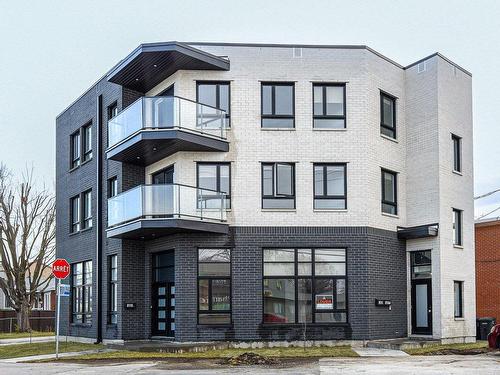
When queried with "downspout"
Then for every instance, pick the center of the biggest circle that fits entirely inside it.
(99, 218)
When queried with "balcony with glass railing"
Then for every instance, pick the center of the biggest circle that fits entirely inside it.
(149, 211)
(152, 128)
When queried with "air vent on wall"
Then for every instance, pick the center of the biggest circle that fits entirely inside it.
(297, 52)
(421, 67)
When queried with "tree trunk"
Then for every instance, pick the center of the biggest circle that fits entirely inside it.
(23, 318)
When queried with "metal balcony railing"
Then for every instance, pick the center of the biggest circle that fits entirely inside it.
(168, 201)
(166, 112)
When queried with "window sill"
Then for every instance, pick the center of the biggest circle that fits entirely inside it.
(457, 173)
(278, 210)
(329, 130)
(390, 215)
(111, 325)
(458, 247)
(86, 162)
(80, 231)
(81, 325)
(329, 210)
(389, 138)
(459, 319)
(277, 129)
(214, 326)
(293, 325)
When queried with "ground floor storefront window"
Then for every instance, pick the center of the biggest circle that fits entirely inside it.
(305, 286)
(214, 286)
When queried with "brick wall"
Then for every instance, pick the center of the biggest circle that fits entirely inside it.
(487, 269)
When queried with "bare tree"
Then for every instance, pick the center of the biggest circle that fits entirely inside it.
(27, 242)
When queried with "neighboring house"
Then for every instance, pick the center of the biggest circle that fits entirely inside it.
(44, 298)
(220, 191)
(488, 268)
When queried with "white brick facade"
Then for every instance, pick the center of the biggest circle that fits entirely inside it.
(430, 106)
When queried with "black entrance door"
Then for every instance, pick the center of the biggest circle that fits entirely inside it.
(421, 309)
(163, 295)
(421, 292)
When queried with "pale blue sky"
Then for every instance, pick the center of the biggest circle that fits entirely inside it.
(51, 51)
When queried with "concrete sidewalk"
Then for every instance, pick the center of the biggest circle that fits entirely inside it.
(26, 340)
(376, 352)
(53, 356)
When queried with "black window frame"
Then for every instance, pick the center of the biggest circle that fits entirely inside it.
(460, 306)
(383, 125)
(75, 220)
(383, 200)
(112, 186)
(86, 221)
(274, 183)
(210, 280)
(75, 157)
(113, 289)
(313, 277)
(84, 290)
(324, 104)
(217, 85)
(112, 110)
(457, 227)
(457, 153)
(325, 182)
(273, 115)
(86, 138)
(218, 180)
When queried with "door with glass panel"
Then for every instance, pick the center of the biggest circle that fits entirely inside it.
(163, 295)
(421, 292)
(162, 196)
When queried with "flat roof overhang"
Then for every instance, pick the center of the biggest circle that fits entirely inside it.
(420, 231)
(147, 229)
(148, 146)
(151, 63)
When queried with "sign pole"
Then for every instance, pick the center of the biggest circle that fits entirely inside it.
(58, 282)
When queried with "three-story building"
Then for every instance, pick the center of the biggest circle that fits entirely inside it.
(214, 191)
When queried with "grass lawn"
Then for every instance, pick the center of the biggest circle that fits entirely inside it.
(25, 350)
(435, 349)
(18, 335)
(338, 351)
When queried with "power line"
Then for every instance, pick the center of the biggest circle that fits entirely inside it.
(489, 213)
(487, 194)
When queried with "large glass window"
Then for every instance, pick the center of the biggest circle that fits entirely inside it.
(278, 107)
(389, 192)
(458, 297)
(75, 214)
(87, 142)
(214, 177)
(75, 150)
(278, 185)
(87, 209)
(330, 186)
(329, 106)
(305, 285)
(457, 227)
(388, 115)
(113, 289)
(81, 285)
(215, 94)
(457, 153)
(214, 286)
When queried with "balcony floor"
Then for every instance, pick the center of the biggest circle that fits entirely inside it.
(149, 146)
(147, 229)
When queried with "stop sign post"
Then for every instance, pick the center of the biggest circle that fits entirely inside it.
(60, 270)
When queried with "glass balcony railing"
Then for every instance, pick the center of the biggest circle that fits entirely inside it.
(169, 201)
(166, 112)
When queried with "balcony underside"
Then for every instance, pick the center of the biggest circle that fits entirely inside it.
(147, 147)
(147, 229)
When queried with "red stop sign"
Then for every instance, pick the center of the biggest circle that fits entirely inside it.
(60, 268)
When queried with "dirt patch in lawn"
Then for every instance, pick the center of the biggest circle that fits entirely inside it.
(249, 358)
(459, 351)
